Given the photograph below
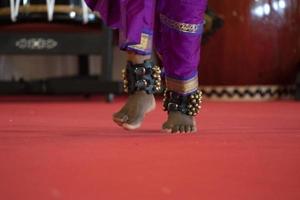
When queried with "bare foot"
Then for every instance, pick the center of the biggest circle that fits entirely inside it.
(179, 123)
(132, 113)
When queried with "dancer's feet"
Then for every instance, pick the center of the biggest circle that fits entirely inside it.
(178, 122)
(182, 110)
(140, 102)
(133, 112)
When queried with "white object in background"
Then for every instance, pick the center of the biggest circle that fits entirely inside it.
(85, 12)
(50, 9)
(14, 9)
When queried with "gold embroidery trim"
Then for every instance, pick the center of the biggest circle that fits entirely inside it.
(145, 45)
(182, 27)
(182, 87)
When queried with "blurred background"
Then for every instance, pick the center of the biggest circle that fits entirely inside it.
(251, 49)
(57, 144)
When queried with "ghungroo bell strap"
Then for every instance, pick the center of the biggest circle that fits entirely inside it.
(187, 104)
(142, 77)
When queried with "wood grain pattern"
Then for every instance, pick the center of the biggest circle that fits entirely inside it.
(259, 43)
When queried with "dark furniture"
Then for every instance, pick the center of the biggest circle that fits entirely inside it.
(61, 39)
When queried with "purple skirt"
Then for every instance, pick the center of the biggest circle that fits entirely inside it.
(173, 26)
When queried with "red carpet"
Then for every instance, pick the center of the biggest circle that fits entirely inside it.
(71, 150)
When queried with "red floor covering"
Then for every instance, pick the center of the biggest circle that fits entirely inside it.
(70, 149)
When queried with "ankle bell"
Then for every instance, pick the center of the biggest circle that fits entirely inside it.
(187, 104)
(141, 77)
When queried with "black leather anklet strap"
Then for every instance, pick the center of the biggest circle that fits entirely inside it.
(186, 104)
(142, 77)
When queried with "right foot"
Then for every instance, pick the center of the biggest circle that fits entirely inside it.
(179, 123)
(133, 112)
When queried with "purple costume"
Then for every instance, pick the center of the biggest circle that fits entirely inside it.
(174, 26)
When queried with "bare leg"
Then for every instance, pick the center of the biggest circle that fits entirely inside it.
(131, 115)
(181, 25)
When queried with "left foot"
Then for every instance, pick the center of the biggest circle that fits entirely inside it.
(178, 122)
(131, 115)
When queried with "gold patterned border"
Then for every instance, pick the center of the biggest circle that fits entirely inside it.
(145, 45)
(182, 86)
(179, 26)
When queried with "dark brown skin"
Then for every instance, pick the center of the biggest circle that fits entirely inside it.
(179, 123)
(132, 114)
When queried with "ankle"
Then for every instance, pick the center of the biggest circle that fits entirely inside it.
(136, 58)
(143, 93)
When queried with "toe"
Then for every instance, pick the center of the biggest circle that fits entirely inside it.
(135, 118)
(133, 122)
(167, 127)
(175, 129)
(120, 117)
(188, 128)
(182, 129)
